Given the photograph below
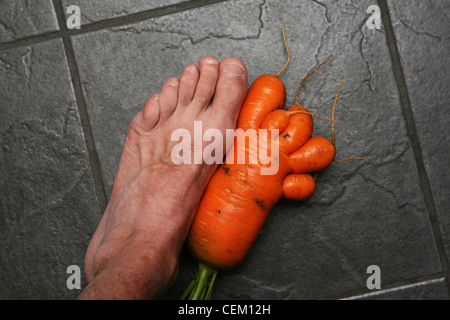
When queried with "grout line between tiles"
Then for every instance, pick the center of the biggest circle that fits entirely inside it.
(107, 23)
(65, 34)
(79, 97)
(30, 40)
(413, 137)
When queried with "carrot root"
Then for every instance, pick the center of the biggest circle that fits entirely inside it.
(333, 136)
(287, 51)
(201, 286)
(315, 115)
(307, 76)
(352, 158)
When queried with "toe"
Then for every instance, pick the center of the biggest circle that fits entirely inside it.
(149, 117)
(231, 87)
(168, 98)
(188, 84)
(209, 73)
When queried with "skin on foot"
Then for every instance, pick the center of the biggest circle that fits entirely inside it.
(134, 251)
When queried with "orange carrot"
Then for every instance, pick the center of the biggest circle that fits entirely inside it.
(267, 93)
(315, 155)
(238, 197)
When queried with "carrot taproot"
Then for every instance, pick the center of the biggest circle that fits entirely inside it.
(238, 183)
(238, 198)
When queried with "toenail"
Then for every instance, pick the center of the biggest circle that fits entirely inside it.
(234, 70)
(174, 83)
(212, 61)
(192, 69)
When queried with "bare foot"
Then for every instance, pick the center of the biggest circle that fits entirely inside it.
(134, 251)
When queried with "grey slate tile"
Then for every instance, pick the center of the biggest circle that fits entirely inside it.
(427, 290)
(422, 33)
(24, 18)
(94, 11)
(363, 213)
(48, 205)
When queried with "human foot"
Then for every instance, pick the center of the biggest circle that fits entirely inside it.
(134, 251)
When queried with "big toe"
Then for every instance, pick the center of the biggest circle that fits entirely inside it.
(231, 87)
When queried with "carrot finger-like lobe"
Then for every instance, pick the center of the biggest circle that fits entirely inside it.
(315, 155)
(278, 119)
(267, 93)
(299, 186)
(297, 132)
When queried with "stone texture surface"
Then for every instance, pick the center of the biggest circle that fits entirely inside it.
(48, 205)
(24, 18)
(422, 31)
(94, 11)
(364, 212)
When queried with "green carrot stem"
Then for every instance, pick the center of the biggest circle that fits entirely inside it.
(201, 286)
(188, 290)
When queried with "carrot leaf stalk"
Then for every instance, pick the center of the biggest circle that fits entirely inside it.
(201, 286)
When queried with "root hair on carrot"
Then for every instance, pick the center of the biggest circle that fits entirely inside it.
(314, 115)
(333, 136)
(288, 54)
(352, 158)
(307, 76)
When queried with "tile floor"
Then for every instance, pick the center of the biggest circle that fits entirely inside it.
(67, 96)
